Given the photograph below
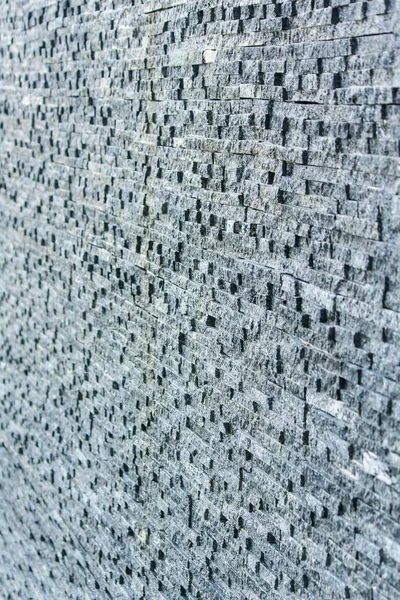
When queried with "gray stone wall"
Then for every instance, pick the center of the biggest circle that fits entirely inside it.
(199, 300)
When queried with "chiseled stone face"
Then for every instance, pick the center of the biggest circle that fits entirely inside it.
(209, 55)
(199, 300)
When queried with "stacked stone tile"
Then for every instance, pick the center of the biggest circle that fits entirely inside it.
(199, 300)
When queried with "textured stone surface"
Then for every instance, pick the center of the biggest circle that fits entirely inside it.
(199, 300)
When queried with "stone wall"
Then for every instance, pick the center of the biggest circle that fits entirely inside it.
(199, 300)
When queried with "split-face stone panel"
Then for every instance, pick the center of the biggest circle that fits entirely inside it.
(199, 300)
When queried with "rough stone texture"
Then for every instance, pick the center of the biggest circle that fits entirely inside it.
(199, 300)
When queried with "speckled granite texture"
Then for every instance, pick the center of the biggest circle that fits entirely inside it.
(199, 300)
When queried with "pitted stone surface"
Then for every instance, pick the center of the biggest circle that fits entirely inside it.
(199, 300)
